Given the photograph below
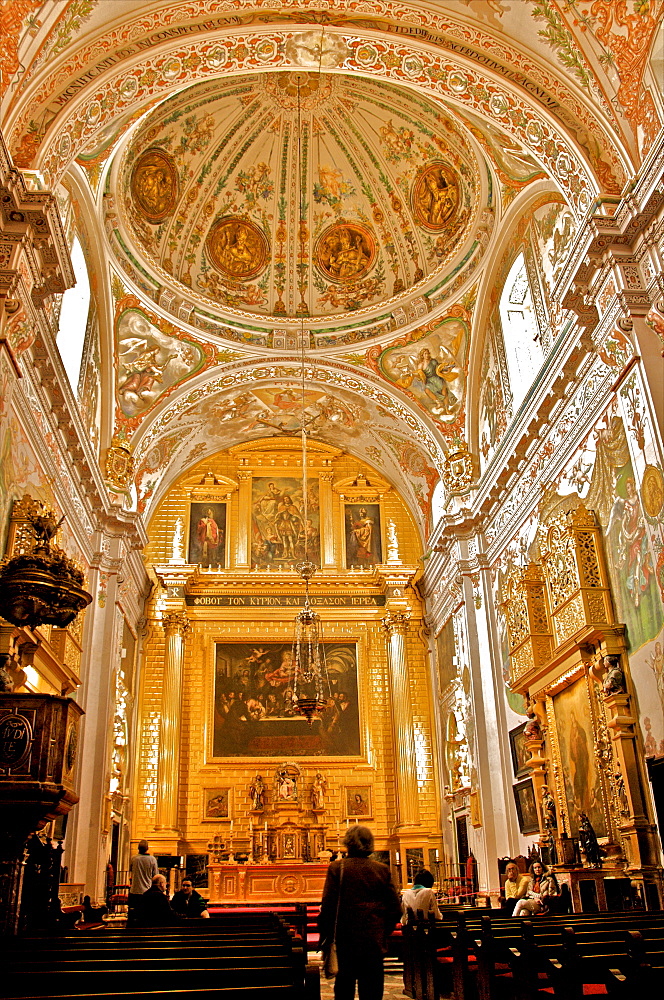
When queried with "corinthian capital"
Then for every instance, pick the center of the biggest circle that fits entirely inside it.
(396, 622)
(175, 621)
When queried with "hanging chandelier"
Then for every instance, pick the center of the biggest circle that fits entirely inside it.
(310, 681)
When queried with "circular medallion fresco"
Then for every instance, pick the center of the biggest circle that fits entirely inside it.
(154, 185)
(238, 248)
(652, 491)
(435, 196)
(345, 252)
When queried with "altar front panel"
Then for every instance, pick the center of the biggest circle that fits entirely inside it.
(285, 882)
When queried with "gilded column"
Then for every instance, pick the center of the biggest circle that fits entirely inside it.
(326, 521)
(396, 624)
(242, 550)
(176, 625)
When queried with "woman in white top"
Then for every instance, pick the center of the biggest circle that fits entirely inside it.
(420, 897)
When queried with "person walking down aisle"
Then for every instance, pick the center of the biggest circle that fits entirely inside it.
(361, 902)
(142, 869)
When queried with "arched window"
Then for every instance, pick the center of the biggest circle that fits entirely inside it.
(74, 317)
(521, 334)
(437, 503)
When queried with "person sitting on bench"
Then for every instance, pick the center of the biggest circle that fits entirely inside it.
(189, 903)
(513, 890)
(155, 909)
(420, 897)
(540, 887)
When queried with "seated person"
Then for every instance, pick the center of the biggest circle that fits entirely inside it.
(155, 909)
(93, 914)
(514, 889)
(420, 897)
(189, 903)
(541, 886)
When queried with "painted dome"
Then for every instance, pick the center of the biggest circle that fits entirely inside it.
(211, 205)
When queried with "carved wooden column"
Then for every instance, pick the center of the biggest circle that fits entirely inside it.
(396, 625)
(176, 625)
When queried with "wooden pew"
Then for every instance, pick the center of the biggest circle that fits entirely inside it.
(206, 958)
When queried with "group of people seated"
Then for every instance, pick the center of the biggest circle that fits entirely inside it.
(528, 893)
(524, 894)
(149, 905)
(157, 910)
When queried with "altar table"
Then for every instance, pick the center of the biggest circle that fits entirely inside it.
(292, 881)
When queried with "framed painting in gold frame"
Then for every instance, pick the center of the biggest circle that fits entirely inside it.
(575, 739)
(215, 804)
(358, 802)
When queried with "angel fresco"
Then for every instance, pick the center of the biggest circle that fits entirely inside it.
(430, 370)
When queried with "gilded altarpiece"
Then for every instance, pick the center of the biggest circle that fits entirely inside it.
(568, 658)
(236, 629)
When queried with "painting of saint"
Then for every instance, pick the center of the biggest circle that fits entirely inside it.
(363, 541)
(207, 534)
(281, 533)
(345, 252)
(574, 728)
(358, 802)
(435, 196)
(254, 714)
(237, 248)
(215, 803)
(154, 185)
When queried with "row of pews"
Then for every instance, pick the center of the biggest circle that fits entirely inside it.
(232, 955)
(470, 955)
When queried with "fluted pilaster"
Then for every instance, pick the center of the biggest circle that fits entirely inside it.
(176, 625)
(396, 625)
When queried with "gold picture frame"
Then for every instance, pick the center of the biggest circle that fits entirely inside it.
(216, 804)
(358, 802)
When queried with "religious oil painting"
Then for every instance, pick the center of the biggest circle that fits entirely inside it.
(207, 534)
(346, 252)
(154, 185)
(358, 802)
(215, 804)
(279, 535)
(254, 714)
(519, 752)
(574, 731)
(526, 809)
(237, 248)
(363, 541)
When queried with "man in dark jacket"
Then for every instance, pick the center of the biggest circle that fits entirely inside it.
(359, 910)
(189, 903)
(155, 909)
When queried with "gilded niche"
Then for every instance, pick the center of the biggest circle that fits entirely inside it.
(435, 196)
(346, 252)
(154, 185)
(237, 248)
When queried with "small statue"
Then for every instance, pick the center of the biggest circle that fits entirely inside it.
(549, 809)
(588, 841)
(614, 678)
(392, 542)
(622, 794)
(550, 846)
(178, 541)
(257, 793)
(44, 528)
(532, 730)
(6, 679)
(287, 786)
(318, 790)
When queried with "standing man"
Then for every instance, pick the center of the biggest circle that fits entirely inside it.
(142, 869)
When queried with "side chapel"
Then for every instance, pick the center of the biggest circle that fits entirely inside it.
(373, 287)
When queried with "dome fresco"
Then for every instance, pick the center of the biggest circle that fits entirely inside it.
(211, 205)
